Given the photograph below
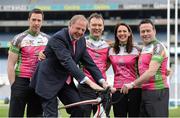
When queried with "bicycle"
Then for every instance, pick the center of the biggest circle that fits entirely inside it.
(104, 95)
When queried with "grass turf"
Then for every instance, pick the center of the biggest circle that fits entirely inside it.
(4, 111)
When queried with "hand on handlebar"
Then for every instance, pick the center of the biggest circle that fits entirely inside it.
(113, 90)
(106, 85)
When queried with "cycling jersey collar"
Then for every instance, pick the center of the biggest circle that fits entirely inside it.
(93, 38)
(32, 33)
(153, 41)
(123, 44)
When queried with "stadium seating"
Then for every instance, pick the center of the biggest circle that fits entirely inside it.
(79, 2)
(14, 2)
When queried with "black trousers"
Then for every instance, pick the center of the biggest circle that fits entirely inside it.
(88, 93)
(155, 103)
(68, 94)
(127, 104)
(22, 95)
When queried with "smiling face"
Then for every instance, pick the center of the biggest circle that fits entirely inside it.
(147, 33)
(122, 34)
(35, 22)
(96, 27)
(77, 29)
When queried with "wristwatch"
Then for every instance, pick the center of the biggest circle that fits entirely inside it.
(132, 84)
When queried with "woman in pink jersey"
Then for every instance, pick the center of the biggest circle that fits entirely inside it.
(124, 57)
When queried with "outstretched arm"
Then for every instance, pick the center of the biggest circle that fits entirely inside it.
(153, 67)
(93, 85)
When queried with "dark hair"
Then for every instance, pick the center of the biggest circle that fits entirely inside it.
(95, 15)
(147, 21)
(37, 11)
(129, 44)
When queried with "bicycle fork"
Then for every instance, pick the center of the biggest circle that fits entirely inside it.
(100, 113)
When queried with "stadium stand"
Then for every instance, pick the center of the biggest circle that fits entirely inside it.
(14, 2)
(14, 13)
(70, 2)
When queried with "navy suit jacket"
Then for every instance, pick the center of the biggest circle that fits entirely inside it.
(52, 73)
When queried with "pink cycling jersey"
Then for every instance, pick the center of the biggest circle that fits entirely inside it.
(98, 50)
(157, 52)
(124, 65)
(27, 47)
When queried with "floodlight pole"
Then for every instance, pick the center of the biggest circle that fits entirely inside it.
(168, 35)
(176, 54)
(168, 29)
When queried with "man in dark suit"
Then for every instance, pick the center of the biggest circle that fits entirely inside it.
(62, 57)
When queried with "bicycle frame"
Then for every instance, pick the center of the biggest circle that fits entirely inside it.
(94, 101)
(100, 113)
